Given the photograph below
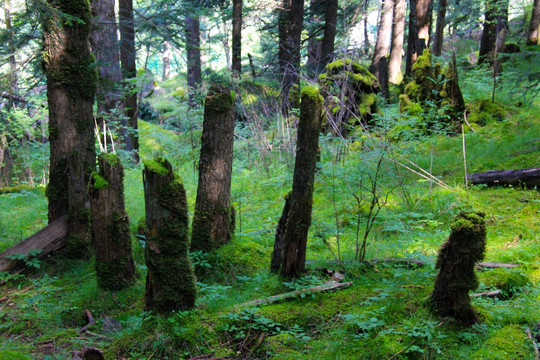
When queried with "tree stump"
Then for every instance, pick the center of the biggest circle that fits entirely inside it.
(299, 218)
(214, 218)
(277, 254)
(456, 262)
(115, 268)
(170, 283)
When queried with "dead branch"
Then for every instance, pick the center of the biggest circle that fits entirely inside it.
(413, 262)
(91, 321)
(494, 293)
(529, 335)
(495, 265)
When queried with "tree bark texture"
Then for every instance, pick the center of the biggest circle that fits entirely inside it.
(193, 53)
(115, 268)
(314, 44)
(398, 36)
(170, 282)
(237, 38)
(166, 61)
(383, 37)
(12, 75)
(419, 30)
(277, 254)
(6, 162)
(127, 58)
(330, 21)
(299, 218)
(456, 262)
(71, 85)
(489, 33)
(252, 67)
(290, 23)
(533, 37)
(518, 177)
(439, 29)
(214, 216)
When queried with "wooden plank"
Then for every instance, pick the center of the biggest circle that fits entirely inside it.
(49, 240)
(294, 294)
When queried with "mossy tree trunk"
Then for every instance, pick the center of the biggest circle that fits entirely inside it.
(419, 30)
(115, 268)
(299, 218)
(456, 261)
(213, 212)
(237, 38)
(383, 37)
(398, 36)
(439, 29)
(128, 56)
(71, 84)
(170, 282)
(533, 37)
(277, 254)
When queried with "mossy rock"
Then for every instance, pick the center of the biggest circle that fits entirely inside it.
(511, 48)
(13, 355)
(510, 342)
(408, 106)
(485, 111)
(509, 281)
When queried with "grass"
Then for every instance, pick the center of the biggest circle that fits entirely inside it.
(383, 314)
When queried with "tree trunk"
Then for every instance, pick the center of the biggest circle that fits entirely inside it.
(170, 282)
(419, 30)
(519, 177)
(489, 33)
(237, 38)
(314, 45)
(456, 262)
(214, 216)
(253, 73)
(115, 268)
(299, 218)
(533, 37)
(12, 76)
(290, 34)
(383, 37)
(104, 44)
(398, 36)
(330, 21)
(71, 85)
(439, 30)
(193, 53)
(6, 162)
(166, 61)
(225, 41)
(127, 57)
(277, 254)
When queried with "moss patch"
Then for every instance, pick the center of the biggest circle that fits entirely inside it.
(510, 342)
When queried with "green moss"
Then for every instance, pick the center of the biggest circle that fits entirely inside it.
(312, 93)
(98, 182)
(408, 106)
(110, 158)
(78, 78)
(510, 342)
(13, 355)
(219, 99)
(18, 188)
(156, 166)
(509, 281)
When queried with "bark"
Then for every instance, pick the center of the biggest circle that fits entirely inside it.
(193, 53)
(439, 30)
(237, 38)
(166, 61)
(519, 177)
(314, 45)
(225, 41)
(127, 57)
(71, 85)
(12, 76)
(170, 282)
(214, 216)
(330, 21)
(6, 162)
(115, 268)
(419, 30)
(500, 38)
(277, 254)
(489, 33)
(533, 37)
(291, 18)
(252, 67)
(299, 219)
(398, 36)
(382, 44)
(383, 77)
(456, 263)
(47, 241)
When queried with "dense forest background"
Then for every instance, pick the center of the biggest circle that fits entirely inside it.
(270, 179)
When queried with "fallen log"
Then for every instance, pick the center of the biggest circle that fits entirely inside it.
(332, 285)
(494, 293)
(49, 240)
(526, 177)
(495, 265)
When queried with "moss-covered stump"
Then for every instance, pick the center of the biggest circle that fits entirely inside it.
(213, 218)
(301, 201)
(111, 235)
(350, 93)
(170, 283)
(456, 260)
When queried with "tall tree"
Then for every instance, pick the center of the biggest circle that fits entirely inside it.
(383, 37)
(419, 30)
(193, 53)
(71, 85)
(290, 31)
(439, 30)
(314, 29)
(301, 201)
(330, 21)
(398, 36)
(129, 71)
(166, 60)
(12, 76)
(534, 28)
(495, 20)
(237, 38)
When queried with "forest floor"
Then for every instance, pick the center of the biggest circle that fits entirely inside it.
(384, 314)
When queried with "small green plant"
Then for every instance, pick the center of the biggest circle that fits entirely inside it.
(364, 325)
(29, 259)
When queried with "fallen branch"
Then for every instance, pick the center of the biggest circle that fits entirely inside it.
(526, 177)
(91, 322)
(413, 262)
(495, 265)
(423, 173)
(494, 293)
(529, 335)
(293, 294)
